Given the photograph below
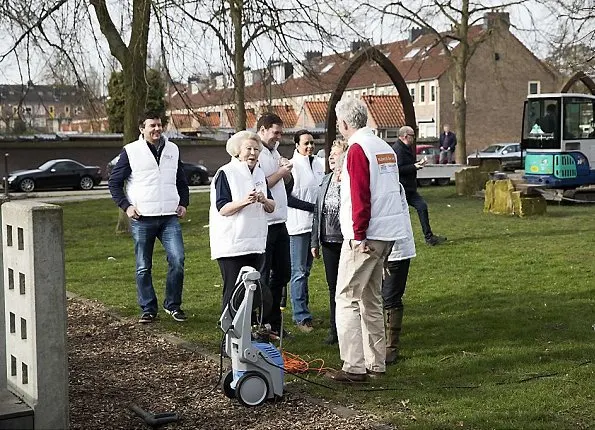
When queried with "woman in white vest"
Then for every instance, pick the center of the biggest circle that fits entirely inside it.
(239, 201)
(307, 173)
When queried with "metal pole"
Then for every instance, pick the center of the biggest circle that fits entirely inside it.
(6, 154)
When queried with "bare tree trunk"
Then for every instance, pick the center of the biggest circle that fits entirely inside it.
(133, 59)
(460, 108)
(236, 12)
(461, 59)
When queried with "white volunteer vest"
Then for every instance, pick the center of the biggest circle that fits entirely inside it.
(151, 187)
(244, 232)
(306, 181)
(269, 162)
(387, 221)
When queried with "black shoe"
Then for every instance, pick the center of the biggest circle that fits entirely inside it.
(147, 317)
(276, 334)
(331, 338)
(434, 240)
(346, 377)
(177, 314)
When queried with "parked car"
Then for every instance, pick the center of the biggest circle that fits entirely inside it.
(196, 174)
(508, 153)
(54, 174)
(431, 153)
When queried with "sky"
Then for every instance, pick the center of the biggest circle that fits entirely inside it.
(531, 23)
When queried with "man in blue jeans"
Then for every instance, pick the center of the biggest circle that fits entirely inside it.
(148, 183)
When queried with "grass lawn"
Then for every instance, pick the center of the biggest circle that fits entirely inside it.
(499, 322)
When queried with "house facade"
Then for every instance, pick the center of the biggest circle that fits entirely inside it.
(500, 74)
(39, 108)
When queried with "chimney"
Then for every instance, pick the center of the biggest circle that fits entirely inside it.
(356, 45)
(312, 55)
(493, 20)
(415, 32)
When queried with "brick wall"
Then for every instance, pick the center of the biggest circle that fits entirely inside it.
(496, 90)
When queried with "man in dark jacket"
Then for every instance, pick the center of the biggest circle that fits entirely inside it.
(448, 143)
(408, 167)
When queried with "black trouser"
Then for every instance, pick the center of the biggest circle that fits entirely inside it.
(230, 268)
(331, 252)
(276, 270)
(393, 286)
(418, 202)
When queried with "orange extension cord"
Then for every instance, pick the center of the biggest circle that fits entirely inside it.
(295, 364)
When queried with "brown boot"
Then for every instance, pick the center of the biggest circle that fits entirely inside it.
(393, 319)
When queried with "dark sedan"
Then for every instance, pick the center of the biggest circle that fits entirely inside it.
(55, 174)
(196, 174)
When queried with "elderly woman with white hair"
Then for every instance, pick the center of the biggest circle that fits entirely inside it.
(239, 199)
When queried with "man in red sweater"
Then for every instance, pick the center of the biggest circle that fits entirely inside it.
(372, 218)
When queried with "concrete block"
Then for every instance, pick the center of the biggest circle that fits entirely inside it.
(470, 180)
(35, 309)
(501, 198)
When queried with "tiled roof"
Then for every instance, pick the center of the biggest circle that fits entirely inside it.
(250, 118)
(386, 111)
(287, 115)
(181, 120)
(186, 121)
(317, 111)
(45, 94)
(323, 73)
(208, 119)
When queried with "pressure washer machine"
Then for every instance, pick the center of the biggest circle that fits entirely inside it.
(257, 372)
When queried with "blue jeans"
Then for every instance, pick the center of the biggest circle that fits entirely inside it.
(301, 263)
(144, 232)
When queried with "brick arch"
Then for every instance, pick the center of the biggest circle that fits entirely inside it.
(579, 76)
(370, 53)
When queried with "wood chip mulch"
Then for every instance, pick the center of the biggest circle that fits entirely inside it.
(115, 362)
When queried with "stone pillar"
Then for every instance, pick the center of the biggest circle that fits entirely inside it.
(35, 309)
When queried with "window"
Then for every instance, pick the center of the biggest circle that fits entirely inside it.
(534, 87)
(51, 111)
(432, 93)
(15, 110)
(412, 92)
(422, 93)
(411, 53)
(67, 110)
(328, 67)
(542, 123)
(579, 118)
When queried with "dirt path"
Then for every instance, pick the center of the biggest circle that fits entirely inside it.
(113, 362)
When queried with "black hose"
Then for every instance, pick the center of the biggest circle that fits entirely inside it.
(154, 420)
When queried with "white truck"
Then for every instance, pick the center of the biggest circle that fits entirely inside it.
(442, 174)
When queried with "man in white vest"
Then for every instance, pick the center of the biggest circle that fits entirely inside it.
(149, 184)
(275, 271)
(307, 174)
(372, 218)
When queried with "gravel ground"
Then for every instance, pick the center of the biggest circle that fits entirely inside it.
(115, 362)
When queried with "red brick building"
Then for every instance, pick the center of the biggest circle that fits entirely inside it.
(500, 74)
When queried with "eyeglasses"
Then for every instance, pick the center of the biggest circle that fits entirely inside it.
(410, 135)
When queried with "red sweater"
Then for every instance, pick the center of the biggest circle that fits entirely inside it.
(358, 168)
